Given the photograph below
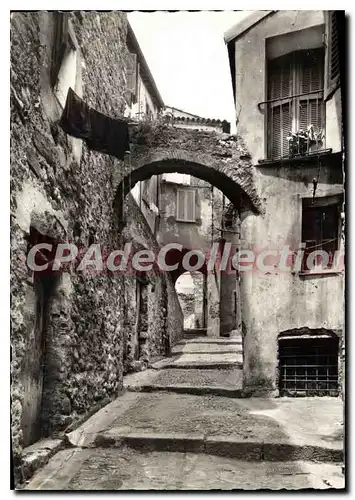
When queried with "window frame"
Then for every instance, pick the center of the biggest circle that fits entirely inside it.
(64, 39)
(64, 42)
(186, 191)
(294, 100)
(132, 70)
(321, 202)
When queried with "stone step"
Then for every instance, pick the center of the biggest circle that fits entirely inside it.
(292, 424)
(211, 340)
(187, 389)
(197, 365)
(228, 383)
(195, 331)
(178, 351)
(205, 348)
(105, 469)
(228, 360)
(222, 446)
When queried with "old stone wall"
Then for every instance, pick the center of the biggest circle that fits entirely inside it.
(63, 192)
(175, 321)
(164, 312)
(219, 159)
(275, 302)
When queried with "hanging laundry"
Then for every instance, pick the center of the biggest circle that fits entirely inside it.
(108, 135)
(75, 119)
(101, 133)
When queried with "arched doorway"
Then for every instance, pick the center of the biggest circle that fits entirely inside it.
(191, 291)
(235, 185)
(219, 159)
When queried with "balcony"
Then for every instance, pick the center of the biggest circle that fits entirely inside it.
(295, 126)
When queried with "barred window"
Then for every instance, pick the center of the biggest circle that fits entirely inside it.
(308, 366)
(295, 98)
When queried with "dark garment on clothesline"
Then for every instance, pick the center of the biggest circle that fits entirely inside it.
(101, 133)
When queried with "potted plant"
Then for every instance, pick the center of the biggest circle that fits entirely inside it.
(304, 141)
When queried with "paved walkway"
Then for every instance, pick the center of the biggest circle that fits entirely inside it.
(204, 353)
(184, 428)
(106, 469)
(197, 366)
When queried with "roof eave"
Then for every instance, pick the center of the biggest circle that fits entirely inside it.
(145, 68)
(243, 26)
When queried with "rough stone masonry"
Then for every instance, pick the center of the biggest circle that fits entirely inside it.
(73, 336)
(54, 196)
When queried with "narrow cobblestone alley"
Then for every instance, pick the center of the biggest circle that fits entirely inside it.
(177, 264)
(180, 425)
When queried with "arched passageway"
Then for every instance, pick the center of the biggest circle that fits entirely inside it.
(237, 186)
(220, 159)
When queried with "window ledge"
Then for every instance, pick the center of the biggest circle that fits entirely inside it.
(295, 159)
(187, 221)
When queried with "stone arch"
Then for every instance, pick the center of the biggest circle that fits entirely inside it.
(310, 331)
(174, 257)
(234, 177)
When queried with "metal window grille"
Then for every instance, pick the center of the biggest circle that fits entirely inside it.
(308, 367)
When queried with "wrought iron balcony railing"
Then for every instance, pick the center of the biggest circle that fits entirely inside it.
(295, 125)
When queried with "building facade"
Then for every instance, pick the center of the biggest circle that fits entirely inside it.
(74, 335)
(193, 213)
(143, 103)
(288, 108)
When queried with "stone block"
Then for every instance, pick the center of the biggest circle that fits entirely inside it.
(234, 447)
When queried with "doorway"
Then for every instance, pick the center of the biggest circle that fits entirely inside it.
(142, 319)
(191, 288)
(33, 368)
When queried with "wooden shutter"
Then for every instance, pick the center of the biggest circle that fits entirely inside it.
(332, 67)
(281, 126)
(190, 205)
(131, 74)
(311, 113)
(311, 74)
(180, 204)
(60, 43)
(185, 205)
(280, 80)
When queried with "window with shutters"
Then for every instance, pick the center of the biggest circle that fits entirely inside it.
(185, 205)
(131, 78)
(320, 229)
(64, 57)
(295, 102)
(332, 66)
